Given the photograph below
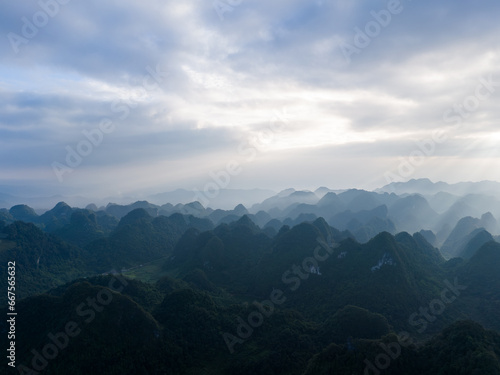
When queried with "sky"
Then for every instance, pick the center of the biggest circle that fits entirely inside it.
(105, 98)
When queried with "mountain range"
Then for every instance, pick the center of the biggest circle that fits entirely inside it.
(300, 283)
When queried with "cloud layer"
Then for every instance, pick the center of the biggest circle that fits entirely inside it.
(298, 93)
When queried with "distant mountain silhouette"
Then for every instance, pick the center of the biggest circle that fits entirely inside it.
(457, 243)
(476, 240)
(425, 186)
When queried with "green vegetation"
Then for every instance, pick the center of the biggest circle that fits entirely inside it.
(149, 272)
(42, 261)
(236, 299)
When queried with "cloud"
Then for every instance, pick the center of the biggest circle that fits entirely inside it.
(223, 84)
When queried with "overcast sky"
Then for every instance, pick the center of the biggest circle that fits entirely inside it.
(294, 93)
